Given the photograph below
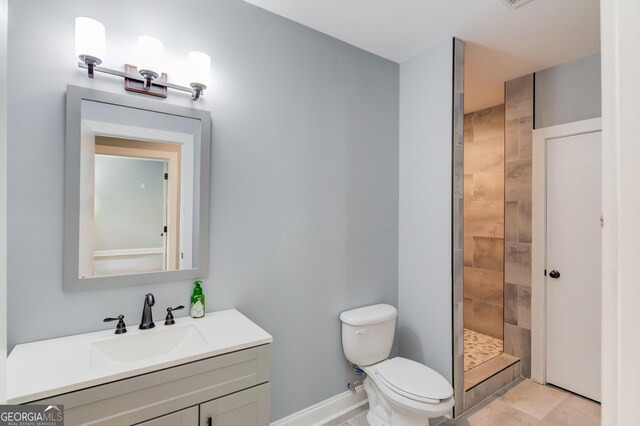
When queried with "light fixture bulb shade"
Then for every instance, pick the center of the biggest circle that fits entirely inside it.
(199, 68)
(150, 54)
(90, 39)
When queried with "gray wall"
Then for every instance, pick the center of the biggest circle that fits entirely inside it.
(304, 210)
(425, 270)
(568, 92)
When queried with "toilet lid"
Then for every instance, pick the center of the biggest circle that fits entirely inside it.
(414, 380)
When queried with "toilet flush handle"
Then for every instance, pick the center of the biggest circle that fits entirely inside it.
(361, 331)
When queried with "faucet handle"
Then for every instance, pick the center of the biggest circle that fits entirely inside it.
(169, 319)
(121, 327)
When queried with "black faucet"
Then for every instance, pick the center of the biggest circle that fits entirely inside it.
(147, 316)
(121, 327)
(169, 320)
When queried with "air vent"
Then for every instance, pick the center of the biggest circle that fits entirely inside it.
(513, 4)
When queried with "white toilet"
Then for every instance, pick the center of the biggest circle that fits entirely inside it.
(401, 392)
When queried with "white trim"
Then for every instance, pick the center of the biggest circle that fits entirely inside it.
(621, 208)
(612, 143)
(105, 128)
(538, 240)
(325, 411)
(128, 252)
(187, 167)
(4, 17)
(187, 140)
(171, 213)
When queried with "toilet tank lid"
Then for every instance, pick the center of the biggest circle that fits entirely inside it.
(369, 315)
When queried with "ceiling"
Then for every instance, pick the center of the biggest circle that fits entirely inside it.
(502, 43)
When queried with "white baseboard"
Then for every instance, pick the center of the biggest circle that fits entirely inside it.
(325, 411)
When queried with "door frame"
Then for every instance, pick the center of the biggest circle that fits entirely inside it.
(172, 245)
(539, 238)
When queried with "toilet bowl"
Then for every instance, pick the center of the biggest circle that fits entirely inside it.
(400, 392)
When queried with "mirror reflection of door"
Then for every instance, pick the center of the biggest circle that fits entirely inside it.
(136, 207)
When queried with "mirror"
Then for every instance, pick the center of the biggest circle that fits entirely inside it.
(136, 191)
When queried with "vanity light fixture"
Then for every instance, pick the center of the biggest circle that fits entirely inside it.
(90, 42)
(199, 72)
(150, 52)
(147, 79)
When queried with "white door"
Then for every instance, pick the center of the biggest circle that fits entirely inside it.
(573, 261)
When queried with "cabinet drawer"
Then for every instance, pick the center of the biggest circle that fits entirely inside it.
(187, 417)
(147, 396)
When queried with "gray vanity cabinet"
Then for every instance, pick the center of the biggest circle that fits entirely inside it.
(232, 389)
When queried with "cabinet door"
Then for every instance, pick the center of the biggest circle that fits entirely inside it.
(249, 407)
(186, 417)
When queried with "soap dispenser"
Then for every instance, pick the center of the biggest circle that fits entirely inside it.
(197, 301)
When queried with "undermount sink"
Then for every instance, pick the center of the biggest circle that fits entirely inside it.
(141, 345)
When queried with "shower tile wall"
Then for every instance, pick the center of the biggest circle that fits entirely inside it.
(484, 147)
(518, 139)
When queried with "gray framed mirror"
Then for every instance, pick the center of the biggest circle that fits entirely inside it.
(136, 191)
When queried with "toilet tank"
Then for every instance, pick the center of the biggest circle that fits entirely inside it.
(367, 333)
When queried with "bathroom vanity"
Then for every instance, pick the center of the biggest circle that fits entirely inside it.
(209, 371)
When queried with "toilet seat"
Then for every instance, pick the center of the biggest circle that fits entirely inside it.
(411, 380)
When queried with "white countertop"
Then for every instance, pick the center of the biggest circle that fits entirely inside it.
(47, 368)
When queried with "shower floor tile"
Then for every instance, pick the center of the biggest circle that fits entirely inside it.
(479, 348)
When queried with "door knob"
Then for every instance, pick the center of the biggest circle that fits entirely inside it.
(554, 274)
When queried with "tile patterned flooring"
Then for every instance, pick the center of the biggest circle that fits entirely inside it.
(527, 403)
(357, 417)
(523, 403)
(479, 348)
(357, 420)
